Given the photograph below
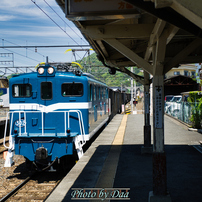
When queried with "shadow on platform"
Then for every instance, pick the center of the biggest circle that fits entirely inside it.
(184, 172)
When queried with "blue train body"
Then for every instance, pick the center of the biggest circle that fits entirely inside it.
(53, 113)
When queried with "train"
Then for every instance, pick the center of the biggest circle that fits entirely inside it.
(55, 111)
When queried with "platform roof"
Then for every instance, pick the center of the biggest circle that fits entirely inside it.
(123, 33)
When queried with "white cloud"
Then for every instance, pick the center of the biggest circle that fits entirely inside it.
(24, 24)
(13, 4)
(6, 17)
(37, 31)
(38, 35)
(21, 8)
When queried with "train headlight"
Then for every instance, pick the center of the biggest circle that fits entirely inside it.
(50, 70)
(41, 70)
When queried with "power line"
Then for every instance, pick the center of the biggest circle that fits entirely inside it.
(17, 46)
(54, 21)
(48, 46)
(60, 17)
(22, 55)
(5, 48)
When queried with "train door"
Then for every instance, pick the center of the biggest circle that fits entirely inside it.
(46, 89)
(33, 118)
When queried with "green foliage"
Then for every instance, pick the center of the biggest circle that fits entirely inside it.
(1, 93)
(195, 100)
(10, 76)
(101, 73)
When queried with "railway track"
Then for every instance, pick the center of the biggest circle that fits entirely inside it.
(19, 184)
(34, 188)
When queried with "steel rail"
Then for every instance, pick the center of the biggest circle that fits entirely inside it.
(10, 194)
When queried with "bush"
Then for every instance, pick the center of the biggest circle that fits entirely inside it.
(195, 100)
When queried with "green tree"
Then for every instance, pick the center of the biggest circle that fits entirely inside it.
(1, 93)
(95, 67)
(195, 101)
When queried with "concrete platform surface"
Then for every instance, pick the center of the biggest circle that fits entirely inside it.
(134, 170)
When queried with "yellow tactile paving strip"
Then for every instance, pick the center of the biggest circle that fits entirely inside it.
(118, 140)
(107, 175)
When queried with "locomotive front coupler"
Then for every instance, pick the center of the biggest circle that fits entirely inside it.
(41, 153)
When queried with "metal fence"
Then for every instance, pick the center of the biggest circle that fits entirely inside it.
(180, 110)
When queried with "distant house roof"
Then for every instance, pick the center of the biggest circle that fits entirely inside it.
(179, 80)
(185, 67)
(178, 84)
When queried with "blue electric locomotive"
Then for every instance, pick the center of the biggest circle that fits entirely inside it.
(53, 112)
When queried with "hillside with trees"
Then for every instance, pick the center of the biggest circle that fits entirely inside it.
(92, 65)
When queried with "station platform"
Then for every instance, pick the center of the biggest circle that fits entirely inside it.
(114, 160)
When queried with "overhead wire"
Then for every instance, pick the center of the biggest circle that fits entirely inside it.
(61, 18)
(55, 23)
(20, 53)
(22, 47)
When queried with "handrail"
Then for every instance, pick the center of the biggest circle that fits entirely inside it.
(4, 142)
(24, 123)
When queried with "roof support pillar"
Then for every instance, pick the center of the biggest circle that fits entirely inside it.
(157, 31)
(159, 157)
(147, 148)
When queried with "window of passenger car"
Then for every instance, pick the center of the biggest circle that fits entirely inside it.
(102, 93)
(106, 93)
(91, 93)
(95, 95)
(99, 92)
(72, 89)
(46, 91)
(22, 90)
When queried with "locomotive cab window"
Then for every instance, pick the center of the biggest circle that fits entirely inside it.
(46, 91)
(22, 90)
(72, 89)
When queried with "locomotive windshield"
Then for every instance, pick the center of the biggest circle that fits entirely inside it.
(46, 91)
(22, 90)
(72, 89)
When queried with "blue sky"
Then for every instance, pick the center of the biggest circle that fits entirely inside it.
(23, 23)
